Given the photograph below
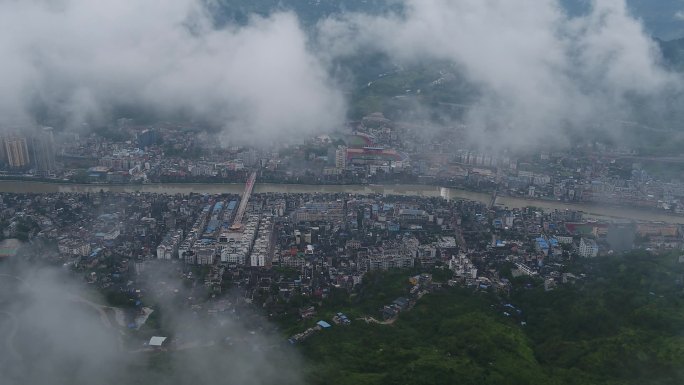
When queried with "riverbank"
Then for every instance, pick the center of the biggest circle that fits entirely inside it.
(592, 210)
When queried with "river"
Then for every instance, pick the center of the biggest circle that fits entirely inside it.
(592, 210)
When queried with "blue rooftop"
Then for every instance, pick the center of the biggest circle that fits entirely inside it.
(218, 207)
(542, 243)
(323, 324)
(213, 225)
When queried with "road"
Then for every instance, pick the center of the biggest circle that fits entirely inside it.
(249, 187)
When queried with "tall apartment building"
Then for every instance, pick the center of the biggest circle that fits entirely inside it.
(44, 151)
(341, 157)
(588, 248)
(3, 151)
(17, 152)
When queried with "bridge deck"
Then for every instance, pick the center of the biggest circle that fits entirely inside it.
(249, 187)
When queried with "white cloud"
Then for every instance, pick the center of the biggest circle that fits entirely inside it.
(84, 58)
(53, 332)
(542, 73)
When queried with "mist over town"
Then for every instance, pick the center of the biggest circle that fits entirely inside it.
(341, 192)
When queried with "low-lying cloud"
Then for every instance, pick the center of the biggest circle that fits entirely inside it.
(542, 74)
(47, 337)
(54, 330)
(82, 60)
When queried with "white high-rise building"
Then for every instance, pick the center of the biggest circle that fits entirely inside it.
(341, 157)
(16, 151)
(588, 248)
(44, 151)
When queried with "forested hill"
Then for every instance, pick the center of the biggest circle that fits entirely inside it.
(622, 324)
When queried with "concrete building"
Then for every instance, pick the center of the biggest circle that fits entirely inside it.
(205, 254)
(462, 267)
(3, 151)
(564, 240)
(17, 151)
(44, 152)
(341, 157)
(541, 245)
(168, 248)
(262, 251)
(412, 215)
(235, 254)
(387, 262)
(320, 211)
(147, 138)
(393, 255)
(588, 248)
(74, 247)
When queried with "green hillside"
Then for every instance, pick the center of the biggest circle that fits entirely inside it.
(623, 325)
